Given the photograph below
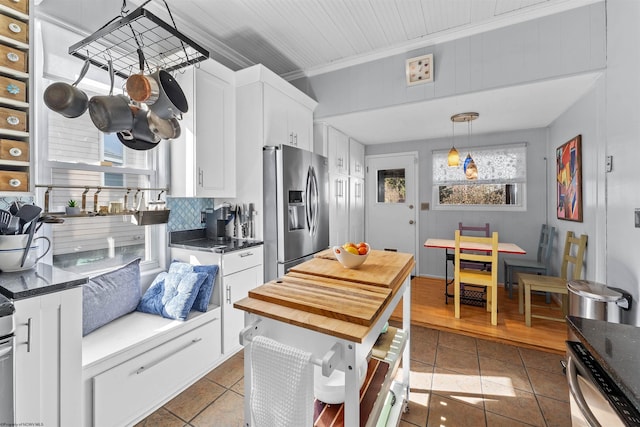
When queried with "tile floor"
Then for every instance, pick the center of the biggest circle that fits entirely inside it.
(456, 380)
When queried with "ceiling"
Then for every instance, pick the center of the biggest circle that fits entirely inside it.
(308, 37)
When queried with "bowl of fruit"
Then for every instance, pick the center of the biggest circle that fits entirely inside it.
(352, 255)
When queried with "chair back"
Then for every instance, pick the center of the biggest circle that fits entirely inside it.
(476, 229)
(545, 245)
(574, 248)
(477, 255)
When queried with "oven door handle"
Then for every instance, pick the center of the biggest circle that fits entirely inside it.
(573, 366)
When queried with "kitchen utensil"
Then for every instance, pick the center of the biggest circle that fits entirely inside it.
(67, 99)
(27, 213)
(135, 144)
(140, 87)
(14, 224)
(46, 219)
(171, 100)
(252, 213)
(111, 113)
(163, 128)
(15, 206)
(32, 231)
(140, 129)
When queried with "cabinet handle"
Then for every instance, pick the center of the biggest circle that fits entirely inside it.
(14, 28)
(141, 369)
(200, 177)
(291, 138)
(228, 294)
(13, 57)
(29, 335)
(246, 254)
(14, 182)
(13, 120)
(15, 152)
(295, 139)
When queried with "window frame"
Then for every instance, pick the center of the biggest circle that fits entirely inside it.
(521, 183)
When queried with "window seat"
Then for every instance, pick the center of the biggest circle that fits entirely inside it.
(136, 363)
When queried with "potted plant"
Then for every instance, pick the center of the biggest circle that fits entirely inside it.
(72, 208)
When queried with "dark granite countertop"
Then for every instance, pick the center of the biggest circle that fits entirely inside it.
(198, 240)
(43, 279)
(616, 347)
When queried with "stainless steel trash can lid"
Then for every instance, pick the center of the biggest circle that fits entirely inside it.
(593, 290)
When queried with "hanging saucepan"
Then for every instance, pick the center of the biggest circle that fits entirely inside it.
(164, 128)
(142, 88)
(67, 99)
(111, 113)
(140, 137)
(171, 100)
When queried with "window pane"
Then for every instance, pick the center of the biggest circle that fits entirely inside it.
(480, 194)
(391, 186)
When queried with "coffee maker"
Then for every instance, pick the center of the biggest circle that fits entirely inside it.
(217, 222)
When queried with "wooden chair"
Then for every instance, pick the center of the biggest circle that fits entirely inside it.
(486, 278)
(466, 230)
(574, 249)
(540, 265)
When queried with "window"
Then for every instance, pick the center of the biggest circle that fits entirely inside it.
(77, 154)
(500, 184)
(391, 186)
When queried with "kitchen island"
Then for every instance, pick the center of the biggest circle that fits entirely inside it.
(337, 314)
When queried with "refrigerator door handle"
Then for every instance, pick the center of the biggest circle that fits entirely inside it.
(312, 201)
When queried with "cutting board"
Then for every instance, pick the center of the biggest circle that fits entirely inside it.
(352, 302)
(382, 268)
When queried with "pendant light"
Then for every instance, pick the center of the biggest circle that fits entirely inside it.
(453, 159)
(469, 166)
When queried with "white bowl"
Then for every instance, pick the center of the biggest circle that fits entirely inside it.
(12, 250)
(349, 260)
(331, 389)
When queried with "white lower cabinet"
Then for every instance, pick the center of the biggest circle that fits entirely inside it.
(48, 359)
(120, 394)
(243, 271)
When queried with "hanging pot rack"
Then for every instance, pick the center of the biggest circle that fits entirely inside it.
(163, 45)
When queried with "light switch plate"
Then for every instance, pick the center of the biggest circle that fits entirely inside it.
(419, 69)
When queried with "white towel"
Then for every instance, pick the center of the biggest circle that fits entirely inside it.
(281, 385)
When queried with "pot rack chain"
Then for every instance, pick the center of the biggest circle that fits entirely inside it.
(50, 187)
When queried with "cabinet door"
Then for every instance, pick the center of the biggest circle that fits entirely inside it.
(215, 148)
(356, 210)
(300, 123)
(338, 209)
(236, 287)
(48, 361)
(276, 130)
(338, 151)
(356, 158)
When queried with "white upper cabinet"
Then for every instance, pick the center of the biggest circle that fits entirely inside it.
(356, 158)
(203, 158)
(286, 121)
(338, 151)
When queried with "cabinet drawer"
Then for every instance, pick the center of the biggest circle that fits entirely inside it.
(14, 29)
(21, 6)
(14, 150)
(14, 181)
(13, 89)
(13, 119)
(241, 260)
(143, 383)
(13, 58)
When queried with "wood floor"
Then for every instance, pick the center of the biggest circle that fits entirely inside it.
(428, 308)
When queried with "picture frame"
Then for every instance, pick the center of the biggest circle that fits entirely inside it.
(569, 180)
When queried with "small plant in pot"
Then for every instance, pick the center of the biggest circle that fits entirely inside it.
(72, 208)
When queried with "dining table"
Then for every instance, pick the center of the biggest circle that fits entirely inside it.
(450, 244)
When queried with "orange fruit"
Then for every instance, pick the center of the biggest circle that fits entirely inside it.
(349, 245)
(362, 250)
(361, 245)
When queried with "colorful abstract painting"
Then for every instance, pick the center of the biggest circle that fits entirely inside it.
(569, 180)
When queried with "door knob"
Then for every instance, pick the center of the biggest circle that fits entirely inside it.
(410, 206)
(411, 221)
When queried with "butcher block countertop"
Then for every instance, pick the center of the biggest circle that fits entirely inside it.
(322, 295)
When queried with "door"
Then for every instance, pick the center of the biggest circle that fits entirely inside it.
(391, 217)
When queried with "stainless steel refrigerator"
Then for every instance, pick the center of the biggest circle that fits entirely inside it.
(296, 207)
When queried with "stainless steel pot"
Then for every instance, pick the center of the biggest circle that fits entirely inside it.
(141, 87)
(111, 113)
(67, 99)
(163, 128)
(171, 100)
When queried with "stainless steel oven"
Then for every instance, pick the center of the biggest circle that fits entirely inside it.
(6, 362)
(595, 399)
